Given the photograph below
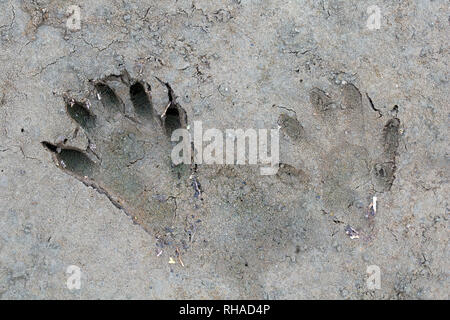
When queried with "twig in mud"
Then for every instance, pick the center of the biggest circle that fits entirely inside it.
(179, 257)
(372, 211)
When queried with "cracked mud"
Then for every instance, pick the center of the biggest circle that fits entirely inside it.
(86, 176)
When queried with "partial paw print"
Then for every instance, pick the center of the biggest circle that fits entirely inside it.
(127, 156)
(353, 156)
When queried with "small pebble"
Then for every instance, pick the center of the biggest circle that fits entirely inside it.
(224, 90)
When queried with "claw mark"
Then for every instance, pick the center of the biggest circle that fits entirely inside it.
(373, 106)
(141, 101)
(80, 113)
(109, 99)
(385, 172)
(73, 160)
(392, 137)
(174, 116)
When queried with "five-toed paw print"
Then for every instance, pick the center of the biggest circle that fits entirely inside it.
(352, 157)
(128, 152)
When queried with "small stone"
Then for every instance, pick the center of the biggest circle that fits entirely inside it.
(224, 90)
(352, 233)
(27, 228)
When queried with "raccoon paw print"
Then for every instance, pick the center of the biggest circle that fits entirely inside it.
(352, 156)
(128, 152)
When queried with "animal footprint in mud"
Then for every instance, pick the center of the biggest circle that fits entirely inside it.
(354, 152)
(128, 152)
